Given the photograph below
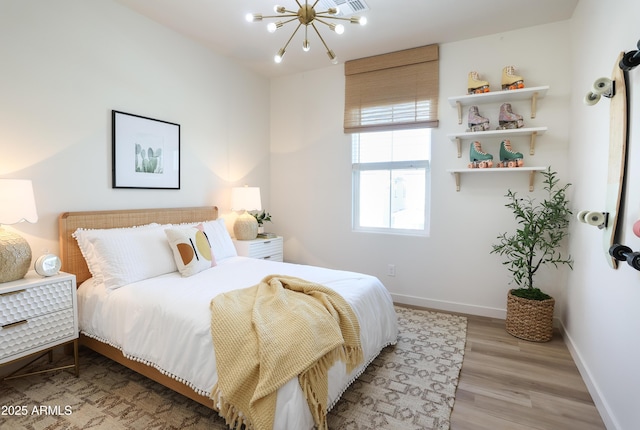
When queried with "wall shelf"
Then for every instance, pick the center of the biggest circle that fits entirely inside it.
(531, 170)
(533, 93)
(475, 135)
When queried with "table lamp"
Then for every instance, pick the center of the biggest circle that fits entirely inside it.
(245, 199)
(17, 204)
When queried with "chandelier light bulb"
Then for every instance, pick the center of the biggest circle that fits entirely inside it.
(271, 27)
(332, 56)
(358, 20)
(279, 9)
(305, 45)
(279, 55)
(339, 29)
(252, 17)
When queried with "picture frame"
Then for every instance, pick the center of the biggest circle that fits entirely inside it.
(145, 152)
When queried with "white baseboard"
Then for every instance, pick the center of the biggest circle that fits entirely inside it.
(461, 308)
(450, 306)
(592, 386)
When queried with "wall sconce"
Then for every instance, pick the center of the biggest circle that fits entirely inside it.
(245, 199)
(17, 204)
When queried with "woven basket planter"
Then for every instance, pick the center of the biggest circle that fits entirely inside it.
(530, 319)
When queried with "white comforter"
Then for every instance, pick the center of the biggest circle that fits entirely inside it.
(165, 322)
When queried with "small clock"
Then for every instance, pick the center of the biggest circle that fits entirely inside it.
(47, 265)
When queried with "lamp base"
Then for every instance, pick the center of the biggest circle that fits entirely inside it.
(15, 256)
(245, 227)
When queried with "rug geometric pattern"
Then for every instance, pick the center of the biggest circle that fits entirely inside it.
(411, 385)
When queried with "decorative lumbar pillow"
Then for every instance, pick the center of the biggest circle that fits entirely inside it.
(220, 240)
(191, 249)
(120, 256)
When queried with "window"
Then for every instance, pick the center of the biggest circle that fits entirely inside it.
(391, 104)
(391, 183)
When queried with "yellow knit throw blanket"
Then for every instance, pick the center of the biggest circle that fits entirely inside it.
(267, 334)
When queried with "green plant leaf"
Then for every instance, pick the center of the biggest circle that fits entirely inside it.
(542, 227)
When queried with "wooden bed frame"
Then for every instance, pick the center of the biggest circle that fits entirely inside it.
(73, 262)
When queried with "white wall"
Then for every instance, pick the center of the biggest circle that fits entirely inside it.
(602, 321)
(67, 64)
(451, 269)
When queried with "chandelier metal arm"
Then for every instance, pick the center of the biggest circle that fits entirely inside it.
(321, 39)
(331, 17)
(329, 13)
(328, 24)
(294, 15)
(289, 20)
(292, 34)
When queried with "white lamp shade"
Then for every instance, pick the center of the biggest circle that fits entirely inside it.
(17, 203)
(246, 199)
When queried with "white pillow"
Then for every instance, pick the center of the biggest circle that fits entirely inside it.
(219, 238)
(191, 249)
(85, 238)
(120, 256)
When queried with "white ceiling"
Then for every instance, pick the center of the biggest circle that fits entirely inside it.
(392, 25)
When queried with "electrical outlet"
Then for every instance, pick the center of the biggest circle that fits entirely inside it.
(391, 270)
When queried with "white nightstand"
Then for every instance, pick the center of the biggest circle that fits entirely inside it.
(36, 315)
(266, 249)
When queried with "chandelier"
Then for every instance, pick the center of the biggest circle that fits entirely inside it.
(307, 16)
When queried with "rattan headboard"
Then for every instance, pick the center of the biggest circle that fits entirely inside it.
(72, 259)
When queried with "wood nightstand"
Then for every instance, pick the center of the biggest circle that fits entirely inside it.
(36, 315)
(266, 249)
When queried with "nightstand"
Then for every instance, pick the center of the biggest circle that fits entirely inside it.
(36, 315)
(266, 249)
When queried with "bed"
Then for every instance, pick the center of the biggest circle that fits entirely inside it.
(157, 322)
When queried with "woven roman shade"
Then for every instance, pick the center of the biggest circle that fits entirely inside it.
(392, 91)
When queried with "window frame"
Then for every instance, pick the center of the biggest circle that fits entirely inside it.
(357, 167)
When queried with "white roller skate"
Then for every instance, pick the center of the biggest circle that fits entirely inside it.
(475, 85)
(511, 81)
(475, 121)
(507, 119)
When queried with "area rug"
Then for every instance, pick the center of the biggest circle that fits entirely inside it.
(410, 385)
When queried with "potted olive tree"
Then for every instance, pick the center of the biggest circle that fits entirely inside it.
(542, 226)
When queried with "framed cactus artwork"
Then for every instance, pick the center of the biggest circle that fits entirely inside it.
(145, 153)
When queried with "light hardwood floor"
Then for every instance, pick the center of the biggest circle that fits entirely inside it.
(512, 384)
